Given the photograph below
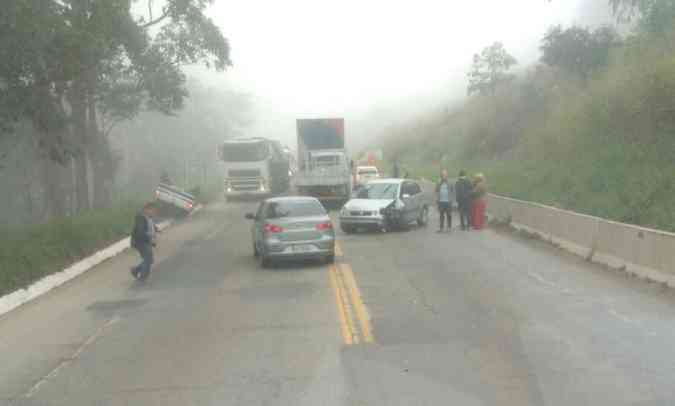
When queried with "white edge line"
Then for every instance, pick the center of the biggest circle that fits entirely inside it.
(20, 297)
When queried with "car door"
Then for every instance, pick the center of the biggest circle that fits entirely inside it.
(409, 202)
(258, 225)
(418, 198)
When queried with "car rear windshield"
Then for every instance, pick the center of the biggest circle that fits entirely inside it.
(379, 191)
(297, 208)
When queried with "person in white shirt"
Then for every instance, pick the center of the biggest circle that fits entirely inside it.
(443, 189)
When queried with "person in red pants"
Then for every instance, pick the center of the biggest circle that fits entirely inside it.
(478, 202)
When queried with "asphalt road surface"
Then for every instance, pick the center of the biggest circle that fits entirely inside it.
(409, 318)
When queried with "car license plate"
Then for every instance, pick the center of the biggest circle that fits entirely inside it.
(302, 248)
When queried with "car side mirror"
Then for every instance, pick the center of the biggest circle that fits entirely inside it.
(250, 216)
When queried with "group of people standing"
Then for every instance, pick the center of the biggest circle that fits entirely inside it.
(470, 198)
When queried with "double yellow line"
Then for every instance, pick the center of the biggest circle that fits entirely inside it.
(352, 312)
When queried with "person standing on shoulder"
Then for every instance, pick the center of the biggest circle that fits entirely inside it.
(143, 240)
(479, 203)
(463, 188)
(443, 189)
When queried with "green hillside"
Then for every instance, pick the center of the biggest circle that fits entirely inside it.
(601, 143)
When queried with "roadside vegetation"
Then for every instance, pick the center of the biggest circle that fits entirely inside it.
(94, 105)
(590, 128)
(28, 254)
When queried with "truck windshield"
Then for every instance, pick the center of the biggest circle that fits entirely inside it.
(379, 191)
(243, 152)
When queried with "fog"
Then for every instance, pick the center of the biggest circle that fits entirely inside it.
(373, 62)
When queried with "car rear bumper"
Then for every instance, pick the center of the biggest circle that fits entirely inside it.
(290, 255)
(300, 256)
(287, 249)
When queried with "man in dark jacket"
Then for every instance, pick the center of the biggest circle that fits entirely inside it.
(443, 190)
(143, 240)
(463, 188)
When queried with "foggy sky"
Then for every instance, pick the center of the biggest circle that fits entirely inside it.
(302, 58)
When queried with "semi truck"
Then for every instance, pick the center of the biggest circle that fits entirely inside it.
(254, 167)
(324, 168)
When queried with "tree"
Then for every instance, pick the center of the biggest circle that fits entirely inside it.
(33, 81)
(76, 67)
(489, 69)
(578, 50)
(654, 16)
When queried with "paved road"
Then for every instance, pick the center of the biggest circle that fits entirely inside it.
(413, 318)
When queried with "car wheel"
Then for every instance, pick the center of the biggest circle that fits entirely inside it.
(347, 229)
(330, 259)
(423, 220)
(255, 250)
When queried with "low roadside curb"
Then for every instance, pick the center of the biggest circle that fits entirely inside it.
(20, 297)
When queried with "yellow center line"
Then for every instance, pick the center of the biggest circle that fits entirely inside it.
(346, 326)
(349, 308)
(357, 301)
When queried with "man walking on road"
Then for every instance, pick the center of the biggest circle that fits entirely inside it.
(463, 188)
(443, 199)
(143, 240)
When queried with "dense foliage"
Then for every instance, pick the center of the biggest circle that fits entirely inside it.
(73, 69)
(600, 143)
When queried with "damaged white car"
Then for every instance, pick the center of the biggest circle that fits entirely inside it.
(386, 204)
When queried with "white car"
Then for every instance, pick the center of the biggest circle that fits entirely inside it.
(385, 204)
(365, 174)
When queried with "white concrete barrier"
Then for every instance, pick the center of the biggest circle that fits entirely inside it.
(641, 251)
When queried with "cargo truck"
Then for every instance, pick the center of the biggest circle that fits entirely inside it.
(255, 167)
(324, 168)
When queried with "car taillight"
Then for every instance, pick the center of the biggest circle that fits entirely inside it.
(273, 228)
(324, 226)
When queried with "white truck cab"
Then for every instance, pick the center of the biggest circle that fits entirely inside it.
(365, 174)
(254, 167)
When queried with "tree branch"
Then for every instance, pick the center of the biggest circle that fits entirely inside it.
(165, 14)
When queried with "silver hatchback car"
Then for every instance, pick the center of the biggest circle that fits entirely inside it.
(292, 228)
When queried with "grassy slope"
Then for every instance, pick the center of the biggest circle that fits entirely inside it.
(29, 254)
(605, 148)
